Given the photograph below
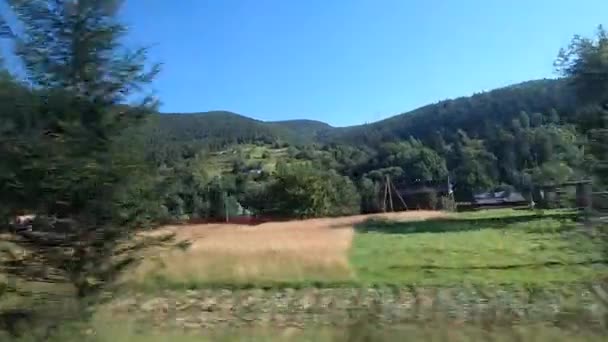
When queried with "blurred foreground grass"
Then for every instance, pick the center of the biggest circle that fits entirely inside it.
(431, 331)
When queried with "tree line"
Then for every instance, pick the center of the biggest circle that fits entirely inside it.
(518, 137)
(519, 151)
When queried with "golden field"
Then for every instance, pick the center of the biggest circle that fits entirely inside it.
(294, 251)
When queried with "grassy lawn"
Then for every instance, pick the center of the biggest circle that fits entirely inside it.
(506, 247)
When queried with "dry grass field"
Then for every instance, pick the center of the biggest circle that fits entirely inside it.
(304, 251)
(514, 247)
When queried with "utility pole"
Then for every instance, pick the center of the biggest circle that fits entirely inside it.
(226, 214)
(389, 188)
(385, 195)
(390, 195)
(399, 195)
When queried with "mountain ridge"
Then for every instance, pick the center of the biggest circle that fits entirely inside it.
(487, 108)
(304, 120)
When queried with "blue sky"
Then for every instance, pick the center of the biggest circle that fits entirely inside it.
(348, 62)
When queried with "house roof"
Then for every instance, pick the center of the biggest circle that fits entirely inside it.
(499, 197)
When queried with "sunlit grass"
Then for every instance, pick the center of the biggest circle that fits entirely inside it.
(266, 156)
(479, 248)
(507, 212)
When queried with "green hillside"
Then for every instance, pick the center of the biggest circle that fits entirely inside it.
(217, 129)
(250, 158)
(222, 128)
(171, 136)
(515, 135)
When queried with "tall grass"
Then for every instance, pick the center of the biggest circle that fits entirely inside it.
(289, 253)
(250, 255)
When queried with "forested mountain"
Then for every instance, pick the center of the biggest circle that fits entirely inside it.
(517, 135)
(306, 128)
(476, 115)
(217, 129)
(184, 134)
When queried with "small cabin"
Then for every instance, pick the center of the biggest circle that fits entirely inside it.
(501, 198)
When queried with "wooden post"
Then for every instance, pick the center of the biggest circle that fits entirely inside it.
(399, 196)
(385, 194)
(584, 200)
(226, 214)
(390, 195)
(583, 195)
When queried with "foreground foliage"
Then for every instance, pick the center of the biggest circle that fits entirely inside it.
(69, 158)
(357, 333)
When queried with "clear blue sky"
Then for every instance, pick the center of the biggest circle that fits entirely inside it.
(348, 61)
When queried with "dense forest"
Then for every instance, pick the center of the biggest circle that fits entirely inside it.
(215, 130)
(476, 114)
(518, 137)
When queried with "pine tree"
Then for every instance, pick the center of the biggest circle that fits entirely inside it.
(64, 159)
(585, 63)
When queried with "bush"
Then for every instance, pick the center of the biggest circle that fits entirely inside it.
(446, 203)
(305, 191)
